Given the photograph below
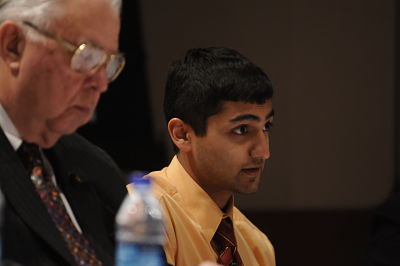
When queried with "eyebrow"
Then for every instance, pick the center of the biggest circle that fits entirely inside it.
(250, 117)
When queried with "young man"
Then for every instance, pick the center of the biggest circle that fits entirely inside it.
(61, 193)
(219, 112)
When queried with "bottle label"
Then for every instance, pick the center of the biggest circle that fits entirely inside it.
(142, 255)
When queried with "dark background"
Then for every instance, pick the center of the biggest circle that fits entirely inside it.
(302, 233)
(123, 125)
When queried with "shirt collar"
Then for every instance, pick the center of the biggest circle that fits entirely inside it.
(202, 209)
(9, 129)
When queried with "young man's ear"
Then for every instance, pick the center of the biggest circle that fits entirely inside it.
(180, 133)
(12, 43)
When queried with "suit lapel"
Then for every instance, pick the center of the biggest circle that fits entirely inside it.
(21, 195)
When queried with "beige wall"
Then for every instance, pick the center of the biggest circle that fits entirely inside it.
(332, 65)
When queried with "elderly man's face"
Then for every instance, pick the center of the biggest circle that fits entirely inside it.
(51, 99)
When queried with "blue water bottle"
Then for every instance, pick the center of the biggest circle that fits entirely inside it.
(139, 228)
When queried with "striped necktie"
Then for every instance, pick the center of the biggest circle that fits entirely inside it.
(78, 245)
(224, 244)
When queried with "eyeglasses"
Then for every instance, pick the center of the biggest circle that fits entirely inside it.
(88, 58)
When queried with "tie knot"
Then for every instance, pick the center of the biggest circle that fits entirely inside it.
(225, 229)
(224, 244)
(29, 154)
(28, 147)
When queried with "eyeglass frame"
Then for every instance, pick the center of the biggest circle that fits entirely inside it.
(76, 48)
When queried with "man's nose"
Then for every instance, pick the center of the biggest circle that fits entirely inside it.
(260, 149)
(100, 79)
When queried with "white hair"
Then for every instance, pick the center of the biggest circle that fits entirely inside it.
(39, 12)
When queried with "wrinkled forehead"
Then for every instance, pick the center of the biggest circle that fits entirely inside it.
(94, 21)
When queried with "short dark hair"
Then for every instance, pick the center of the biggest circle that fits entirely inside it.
(198, 84)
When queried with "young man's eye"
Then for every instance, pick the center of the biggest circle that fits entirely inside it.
(240, 130)
(267, 126)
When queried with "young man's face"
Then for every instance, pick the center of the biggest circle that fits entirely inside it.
(230, 157)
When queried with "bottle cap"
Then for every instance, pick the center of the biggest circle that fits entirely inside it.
(141, 181)
(136, 178)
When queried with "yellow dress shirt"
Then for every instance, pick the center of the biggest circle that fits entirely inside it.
(191, 219)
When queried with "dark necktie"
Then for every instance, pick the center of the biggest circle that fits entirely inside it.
(78, 245)
(224, 244)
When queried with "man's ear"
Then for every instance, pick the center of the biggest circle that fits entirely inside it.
(180, 133)
(12, 44)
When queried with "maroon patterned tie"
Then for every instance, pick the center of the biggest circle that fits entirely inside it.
(224, 244)
(78, 245)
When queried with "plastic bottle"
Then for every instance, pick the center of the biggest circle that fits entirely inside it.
(140, 228)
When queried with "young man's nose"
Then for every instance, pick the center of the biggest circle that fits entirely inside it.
(260, 149)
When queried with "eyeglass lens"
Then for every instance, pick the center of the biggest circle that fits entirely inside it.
(88, 58)
(114, 66)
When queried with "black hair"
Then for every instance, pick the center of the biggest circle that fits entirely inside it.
(198, 84)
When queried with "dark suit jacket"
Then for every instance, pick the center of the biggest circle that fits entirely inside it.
(384, 244)
(93, 186)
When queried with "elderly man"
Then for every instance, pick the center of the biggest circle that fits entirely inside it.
(61, 193)
(219, 112)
